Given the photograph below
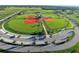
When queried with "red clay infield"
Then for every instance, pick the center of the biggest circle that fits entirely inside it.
(32, 20)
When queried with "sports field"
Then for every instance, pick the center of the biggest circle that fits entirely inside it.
(17, 24)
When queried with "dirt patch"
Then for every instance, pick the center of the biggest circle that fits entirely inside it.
(33, 20)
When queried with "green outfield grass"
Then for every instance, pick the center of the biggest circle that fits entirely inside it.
(17, 25)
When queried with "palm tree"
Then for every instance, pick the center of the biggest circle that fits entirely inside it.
(13, 41)
(1, 40)
(22, 44)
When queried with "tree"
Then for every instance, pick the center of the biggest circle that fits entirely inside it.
(1, 40)
(22, 44)
(34, 43)
(14, 41)
(46, 43)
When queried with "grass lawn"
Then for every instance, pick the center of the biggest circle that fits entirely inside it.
(74, 49)
(6, 12)
(75, 17)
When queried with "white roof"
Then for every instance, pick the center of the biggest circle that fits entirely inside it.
(39, 42)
